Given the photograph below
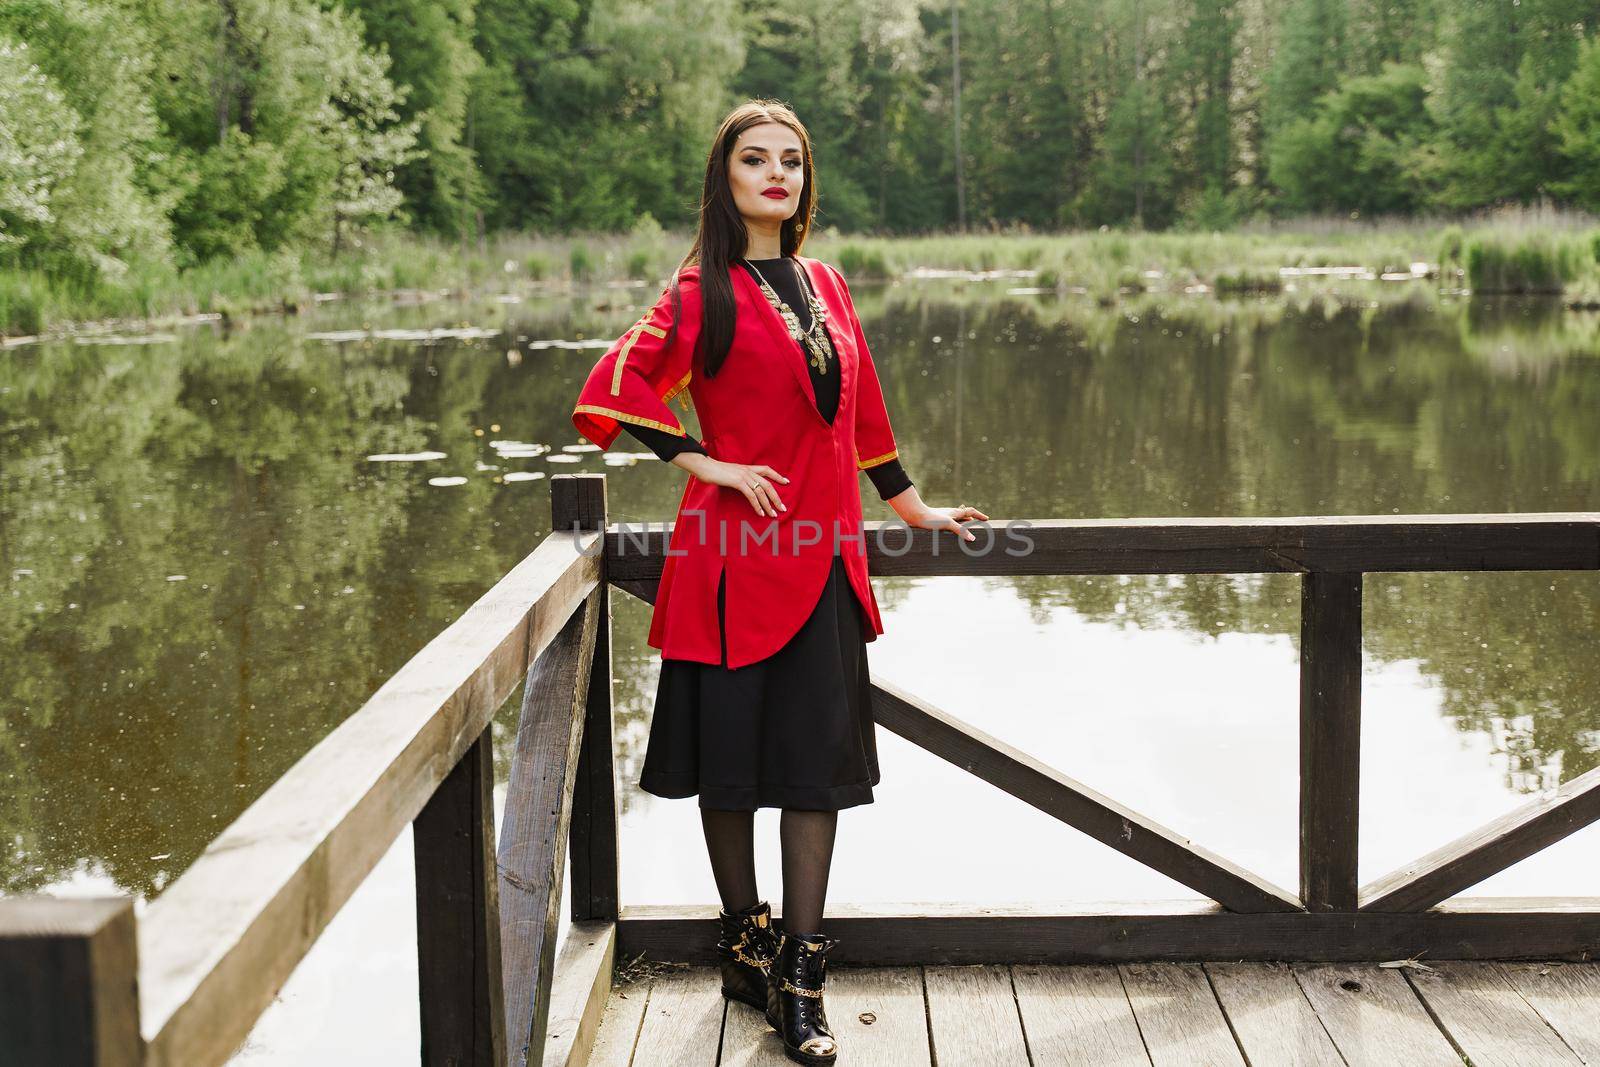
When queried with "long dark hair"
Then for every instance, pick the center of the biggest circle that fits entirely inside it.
(722, 235)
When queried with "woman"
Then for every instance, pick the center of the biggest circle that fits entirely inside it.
(764, 608)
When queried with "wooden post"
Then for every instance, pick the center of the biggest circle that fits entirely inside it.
(1330, 738)
(577, 501)
(542, 791)
(458, 917)
(593, 843)
(537, 823)
(69, 993)
(581, 499)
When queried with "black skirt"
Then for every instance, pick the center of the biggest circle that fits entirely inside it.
(794, 730)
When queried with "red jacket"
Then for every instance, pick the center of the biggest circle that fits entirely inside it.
(759, 408)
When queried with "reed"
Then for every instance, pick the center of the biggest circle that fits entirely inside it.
(1518, 250)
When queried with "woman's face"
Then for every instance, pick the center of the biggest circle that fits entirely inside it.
(766, 174)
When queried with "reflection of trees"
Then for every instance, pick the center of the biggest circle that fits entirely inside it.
(145, 718)
(139, 722)
(1170, 407)
(1513, 653)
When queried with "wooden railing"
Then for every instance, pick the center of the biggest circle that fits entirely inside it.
(81, 983)
(1330, 917)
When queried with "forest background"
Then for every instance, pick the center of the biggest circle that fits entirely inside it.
(160, 155)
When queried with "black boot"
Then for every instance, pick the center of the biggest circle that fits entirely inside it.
(747, 946)
(795, 985)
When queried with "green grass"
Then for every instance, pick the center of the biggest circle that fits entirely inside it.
(1247, 280)
(1526, 246)
(1527, 250)
(25, 302)
(1525, 262)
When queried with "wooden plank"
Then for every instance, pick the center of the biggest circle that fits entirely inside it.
(580, 993)
(618, 1035)
(1486, 1018)
(1077, 1016)
(68, 982)
(1188, 545)
(683, 1021)
(538, 814)
(644, 588)
(219, 943)
(748, 1041)
(1178, 1015)
(1492, 848)
(972, 1015)
(1330, 739)
(890, 935)
(1374, 1016)
(458, 917)
(1271, 1018)
(1566, 996)
(1085, 809)
(879, 1015)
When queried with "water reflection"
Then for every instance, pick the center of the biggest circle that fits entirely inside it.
(143, 713)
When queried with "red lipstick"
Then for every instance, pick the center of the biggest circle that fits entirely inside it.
(777, 192)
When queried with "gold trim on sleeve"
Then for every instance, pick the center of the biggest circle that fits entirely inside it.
(676, 389)
(633, 335)
(595, 409)
(863, 464)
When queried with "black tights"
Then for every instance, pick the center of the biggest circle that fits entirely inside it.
(807, 841)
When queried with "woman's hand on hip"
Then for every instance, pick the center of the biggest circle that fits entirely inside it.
(754, 480)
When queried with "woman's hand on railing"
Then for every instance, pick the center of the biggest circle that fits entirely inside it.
(949, 519)
(913, 512)
(754, 480)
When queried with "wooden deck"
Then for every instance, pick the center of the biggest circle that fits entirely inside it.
(1121, 1015)
(183, 984)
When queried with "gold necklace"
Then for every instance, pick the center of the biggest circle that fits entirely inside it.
(814, 339)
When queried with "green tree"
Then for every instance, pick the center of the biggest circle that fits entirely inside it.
(1577, 125)
(39, 149)
(284, 133)
(892, 115)
(592, 113)
(1503, 66)
(432, 42)
(360, 122)
(1024, 101)
(1208, 58)
(1307, 61)
(1360, 149)
(107, 196)
(1133, 180)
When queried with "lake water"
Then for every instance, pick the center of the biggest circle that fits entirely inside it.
(204, 573)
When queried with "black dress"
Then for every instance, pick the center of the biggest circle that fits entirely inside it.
(794, 730)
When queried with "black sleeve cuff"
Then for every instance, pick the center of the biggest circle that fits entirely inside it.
(664, 444)
(889, 478)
